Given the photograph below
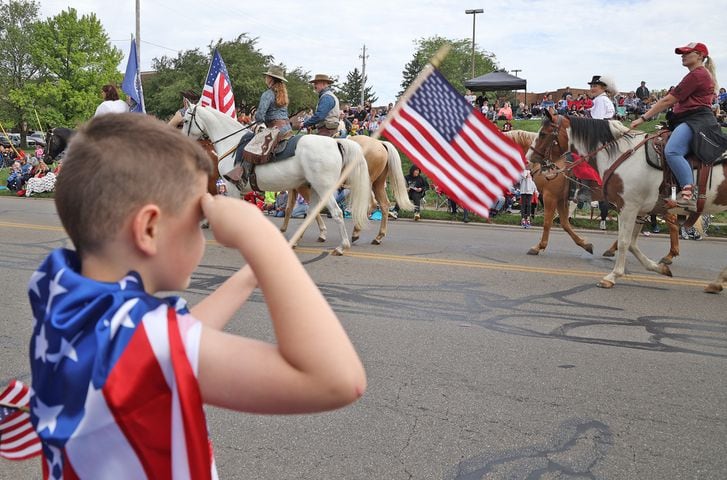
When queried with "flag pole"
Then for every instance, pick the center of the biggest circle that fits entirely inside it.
(40, 126)
(423, 75)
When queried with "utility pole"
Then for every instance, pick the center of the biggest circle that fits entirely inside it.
(474, 13)
(138, 33)
(516, 71)
(363, 74)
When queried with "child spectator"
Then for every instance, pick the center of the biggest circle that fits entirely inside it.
(15, 178)
(119, 375)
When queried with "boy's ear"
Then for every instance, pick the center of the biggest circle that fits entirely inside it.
(145, 228)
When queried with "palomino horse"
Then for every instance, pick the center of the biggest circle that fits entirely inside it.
(630, 183)
(553, 184)
(56, 141)
(318, 161)
(383, 162)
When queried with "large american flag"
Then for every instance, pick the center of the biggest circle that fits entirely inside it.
(18, 440)
(114, 388)
(455, 145)
(217, 91)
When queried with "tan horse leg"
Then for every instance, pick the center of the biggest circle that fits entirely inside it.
(382, 198)
(292, 195)
(717, 285)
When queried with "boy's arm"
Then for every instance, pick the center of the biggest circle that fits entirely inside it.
(313, 366)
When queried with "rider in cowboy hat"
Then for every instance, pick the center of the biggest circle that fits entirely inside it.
(326, 117)
(273, 106)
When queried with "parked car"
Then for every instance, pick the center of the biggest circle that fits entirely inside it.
(5, 141)
(37, 137)
(15, 138)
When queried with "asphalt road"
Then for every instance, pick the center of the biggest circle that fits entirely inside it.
(482, 362)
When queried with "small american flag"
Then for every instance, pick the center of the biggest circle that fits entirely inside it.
(18, 439)
(217, 92)
(453, 144)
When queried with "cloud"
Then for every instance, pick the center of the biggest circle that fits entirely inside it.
(554, 43)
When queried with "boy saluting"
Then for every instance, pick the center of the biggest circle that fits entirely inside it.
(119, 375)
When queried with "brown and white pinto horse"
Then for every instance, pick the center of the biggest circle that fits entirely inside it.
(552, 180)
(383, 162)
(632, 185)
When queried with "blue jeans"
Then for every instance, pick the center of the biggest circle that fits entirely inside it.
(675, 151)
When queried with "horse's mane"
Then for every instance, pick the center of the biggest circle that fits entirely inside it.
(522, 138)
(590, 133)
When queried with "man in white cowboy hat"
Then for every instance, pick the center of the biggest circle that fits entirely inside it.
(326, 117)
(273, 106)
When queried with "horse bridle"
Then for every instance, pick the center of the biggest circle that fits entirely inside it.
(193, 114)
(552, 137)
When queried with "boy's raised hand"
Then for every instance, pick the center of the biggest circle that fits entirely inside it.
(229, 218)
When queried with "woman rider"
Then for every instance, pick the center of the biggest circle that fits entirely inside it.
(692, 101)
(273, 106)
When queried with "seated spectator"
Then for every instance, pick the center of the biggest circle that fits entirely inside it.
(563, 106)
(269, 203)
(281, 201)
(522, 111)
(15, 179)
(301, 207)
(42, 180)
(631, 102)
(505, 113)
(547, 102)
(256, 198)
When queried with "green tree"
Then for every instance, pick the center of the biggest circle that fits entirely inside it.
(77, 60)
(17, 24)
(245, 66)
(456, 67)
(350, 91)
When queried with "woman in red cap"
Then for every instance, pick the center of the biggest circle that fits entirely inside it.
(692, 101)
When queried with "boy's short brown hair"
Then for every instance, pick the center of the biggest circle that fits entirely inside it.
(117, 163)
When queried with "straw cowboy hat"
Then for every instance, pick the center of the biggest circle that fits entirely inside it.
(321, 77)
(276, 72)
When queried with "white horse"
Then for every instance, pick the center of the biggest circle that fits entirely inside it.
(633, 186)
(318, 161)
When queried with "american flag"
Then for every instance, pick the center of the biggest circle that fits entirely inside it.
(115, 393)
(454, 145)
(217, 91)
(18, 440)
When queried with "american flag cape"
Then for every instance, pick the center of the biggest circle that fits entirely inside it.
(114, 388)
(18, 440)
(455, 145)
(217, 92)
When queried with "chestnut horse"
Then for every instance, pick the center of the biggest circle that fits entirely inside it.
(632, 185)
(554, 185)
(383, 162)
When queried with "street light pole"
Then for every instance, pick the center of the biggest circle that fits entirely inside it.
(474, 13)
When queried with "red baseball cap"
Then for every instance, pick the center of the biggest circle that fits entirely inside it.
(691, 47)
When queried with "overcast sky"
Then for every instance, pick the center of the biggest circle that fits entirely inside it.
(555, 43)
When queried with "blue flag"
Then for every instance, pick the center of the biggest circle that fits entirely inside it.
(132, 81)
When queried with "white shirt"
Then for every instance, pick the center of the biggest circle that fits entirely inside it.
(111, 106)
(602, 107)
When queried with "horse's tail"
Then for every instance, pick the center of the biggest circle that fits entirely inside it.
(396, 177)
(358, 181)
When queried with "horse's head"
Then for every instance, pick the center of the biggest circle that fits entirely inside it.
(552, 141)
(190, 121)
(56, 141)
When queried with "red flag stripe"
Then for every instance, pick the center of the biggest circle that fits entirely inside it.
(18, 439)
(413, 145)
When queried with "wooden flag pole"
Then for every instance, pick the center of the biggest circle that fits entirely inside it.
(423, 75)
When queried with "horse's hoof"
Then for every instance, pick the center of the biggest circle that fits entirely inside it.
(337, 252)
(282, 230)
(353, 239)
(533, 251)
(665, 270)
(665, 261)
(321, 239)
(713, 288)
(376, 241)
(205, 225)
(588, 247)
(607, 253)
(605, 284)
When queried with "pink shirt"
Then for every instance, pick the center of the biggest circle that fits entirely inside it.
(695, 90)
